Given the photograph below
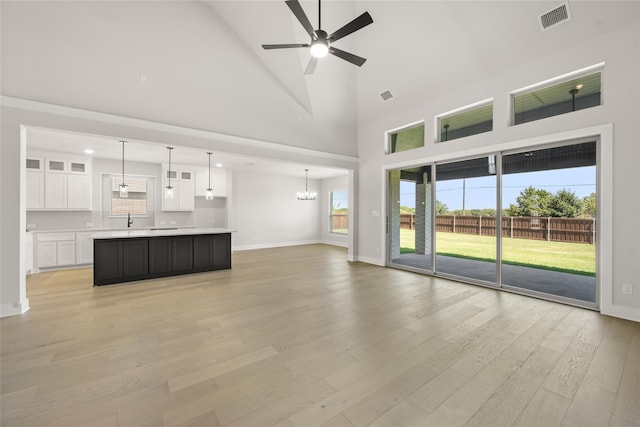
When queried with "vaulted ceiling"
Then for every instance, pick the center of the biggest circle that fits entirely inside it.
(200, 64)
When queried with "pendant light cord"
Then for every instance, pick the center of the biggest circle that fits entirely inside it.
(209, 154)
(170, 149)
(123, 143)
(306, 181)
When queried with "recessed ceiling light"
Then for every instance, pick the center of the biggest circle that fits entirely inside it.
(88, 151)
(218, 165)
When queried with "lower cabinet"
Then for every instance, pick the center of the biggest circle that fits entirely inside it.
(212, 252)
(182, 254)
(160, 255)
(84, 247)
(55, 249)
(135, 258)
(124, 260)
(107, 261)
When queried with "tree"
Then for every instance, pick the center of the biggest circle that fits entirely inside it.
(441, 208)
(565, 204)
(589, 206)
(407, 210)
(475, 212)
(531, 202)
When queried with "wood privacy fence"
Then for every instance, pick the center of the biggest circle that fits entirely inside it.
(340, 221)
(572, 230)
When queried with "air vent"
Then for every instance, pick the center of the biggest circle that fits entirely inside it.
(555, 17)
(386, 95)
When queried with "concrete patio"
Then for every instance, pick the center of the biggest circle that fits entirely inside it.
(568, 285)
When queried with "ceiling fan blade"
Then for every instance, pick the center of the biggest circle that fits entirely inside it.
(311, 67)
(358, 23)
(350, 57)
(296, 8)
(283, 46)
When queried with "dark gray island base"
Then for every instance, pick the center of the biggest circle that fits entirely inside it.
(137, 256)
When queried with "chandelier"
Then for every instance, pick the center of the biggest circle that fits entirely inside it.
(306, 195)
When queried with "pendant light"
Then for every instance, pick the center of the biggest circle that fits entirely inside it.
(209, 191)
(168, 190)
(306, 195)
(124, 190)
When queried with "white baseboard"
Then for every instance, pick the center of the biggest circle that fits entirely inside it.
(621, 311)
(369, 260)
(14, 309)
(335, 243)
(238, 248)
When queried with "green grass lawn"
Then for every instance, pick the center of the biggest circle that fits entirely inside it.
(578, 258)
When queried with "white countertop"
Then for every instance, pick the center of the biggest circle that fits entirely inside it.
(123, 234)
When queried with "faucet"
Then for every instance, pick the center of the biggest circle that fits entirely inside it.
(129, 220)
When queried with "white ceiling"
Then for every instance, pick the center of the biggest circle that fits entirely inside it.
(200, 65)
(51, 140)
(415, 49)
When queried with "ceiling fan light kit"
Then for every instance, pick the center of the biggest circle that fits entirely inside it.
(321, 42)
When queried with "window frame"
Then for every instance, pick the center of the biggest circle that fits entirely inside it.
(583, 72)
(387, 136)
(437, 135)
(115, 177)
(331, 214)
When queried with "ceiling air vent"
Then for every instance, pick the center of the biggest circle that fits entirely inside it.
(386, 95)
(555, 16)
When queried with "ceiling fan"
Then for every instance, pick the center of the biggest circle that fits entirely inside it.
(321, 42)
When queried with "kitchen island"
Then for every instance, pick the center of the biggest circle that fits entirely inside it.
(129, 255)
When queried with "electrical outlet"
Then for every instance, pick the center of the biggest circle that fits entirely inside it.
(627, 289)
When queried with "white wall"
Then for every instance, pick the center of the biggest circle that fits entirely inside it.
(199, 73)
(266, 212)
(326, 186)
(621, 107)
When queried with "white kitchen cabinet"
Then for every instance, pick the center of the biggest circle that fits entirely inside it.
(56, 166)
(78, 192)
(186, 190)
(66, 252)
(78, 167)
(218, 182)
(55, 194)
(35, 190)
(47, 254)
(56, 249)
(183, 183)
(84, 247)
(28, 252)
(56, 184)
(35, 164)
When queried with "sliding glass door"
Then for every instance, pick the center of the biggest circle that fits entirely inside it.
(549, 221)
(466, 219)
(410, 218)
(543, 201)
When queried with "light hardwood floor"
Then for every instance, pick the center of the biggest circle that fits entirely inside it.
(299, 337)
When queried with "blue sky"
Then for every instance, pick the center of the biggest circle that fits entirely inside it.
(481, 192)
(340, 199)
